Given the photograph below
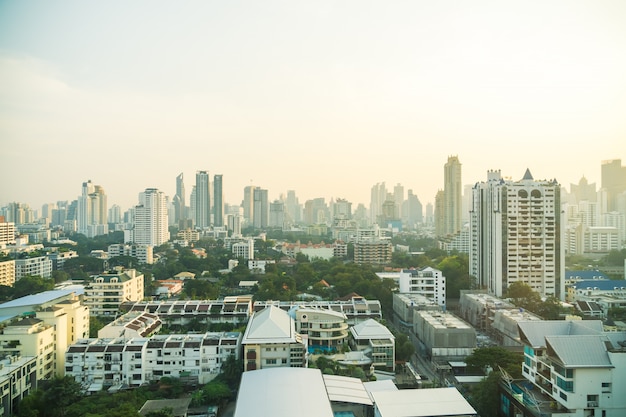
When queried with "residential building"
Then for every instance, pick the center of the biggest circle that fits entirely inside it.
(7, 233)
(613, 182)
(106, 292)
(131, 325)
(92, 210)
(427, 281)
(325, 329)
(277, 214)
(377, 342)
(378, 197)
(248, 204)
(202, 200)
(271, 341)
(193, 358)
(150, 219)
(516, 235)
(40, 266)
(32, 337)
(143, 253)
(573, 368)
(18, 378)
(244, 250)
(374, 252)
(7, 273)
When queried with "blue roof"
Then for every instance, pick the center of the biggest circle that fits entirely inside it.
(586, 275)
(603, 285)
(40, 298)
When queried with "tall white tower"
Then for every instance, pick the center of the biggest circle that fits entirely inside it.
(150, 218)
(516, 235)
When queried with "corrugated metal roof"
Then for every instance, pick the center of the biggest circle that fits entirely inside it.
(283, 392)
(371, 329)
(579, 351)
(346, 389)
(535, 332)
(602, 285)
(422, 403)
(40, 298)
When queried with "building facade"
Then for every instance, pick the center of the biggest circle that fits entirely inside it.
(106, 292)
(40, 266)
(427, 281)
(516, 235)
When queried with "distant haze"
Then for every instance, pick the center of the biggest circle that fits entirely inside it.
(325, 97)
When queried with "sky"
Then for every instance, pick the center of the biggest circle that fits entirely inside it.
(323, 97)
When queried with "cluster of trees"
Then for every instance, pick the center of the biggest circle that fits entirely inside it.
(524, 297)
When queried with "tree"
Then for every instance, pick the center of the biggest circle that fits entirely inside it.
(31, 285)
(404, 348)
(494, 357)
(484, 397)
(523, 296)
(52, 399)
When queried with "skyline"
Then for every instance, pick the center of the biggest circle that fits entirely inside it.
(326, 99)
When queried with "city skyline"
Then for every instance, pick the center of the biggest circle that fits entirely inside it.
(326, 99)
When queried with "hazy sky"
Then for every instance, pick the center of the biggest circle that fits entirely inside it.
(324, 97)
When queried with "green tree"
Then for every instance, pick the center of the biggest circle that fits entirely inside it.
(404, 347)
(31, 285)
(495, 357)
(523, 296)
(484, 396)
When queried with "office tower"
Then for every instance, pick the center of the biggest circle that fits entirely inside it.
(248, 204)
(398, 198)
(179, 199)
(192, 204)
(150, 220)
(613, 182)
(260, 209)
(203, 200)
(378, 197)
(277, 214)
(91, 210)
(516, 235)
(452, 196)
(218, 201)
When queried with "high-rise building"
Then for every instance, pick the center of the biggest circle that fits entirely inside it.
(293, 208)
(452, 196)
(516, 235)
(613, 182)
(412, 214)
(248, 204)
(260, 209)
(277, 214)
(342, 211)
(150, 222)
(92, 212)
(203, 200)
(438, 216)
(218, 201)
(378, 197)
(179, 199)
(315, 211)
(398, 198)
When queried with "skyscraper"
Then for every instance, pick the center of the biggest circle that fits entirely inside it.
(378, 197)
(218, 201)
(613, 182)
(92, 210)
(203, 200)
(179, 199)
(150, 222)
(452, 196)
(260, 209)
(248, 204)
(515, 235)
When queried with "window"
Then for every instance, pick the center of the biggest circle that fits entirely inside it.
(270, 361)
(606, 387)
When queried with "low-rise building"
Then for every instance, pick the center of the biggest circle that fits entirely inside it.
(444, 335)
(377, 342)
(7, 273)
(194, 358)
(404, 306)
(40, 266)
(271, 341)
(325, 329)
(131, 325)
(427, 281)
(143, 253)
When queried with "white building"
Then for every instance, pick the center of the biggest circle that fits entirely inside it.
(143, 253)
(271, 341)
(574, 367)
(150, 220)
(427, 281)
(516, 235)
(7, 273)
(106, 292)
(92, 211)
(377, 342)
(40, 266)
(244, 249)
(7, 233)
(18, 377)
(325, 329)
(194, 358)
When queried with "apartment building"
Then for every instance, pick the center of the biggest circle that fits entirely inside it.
(18, 377)
(373, 252)
(271, 341)
(40, 266)
(32, 337)
(106, 292)
(574, 369)
(143, 253)
(428, 282)
(194, 358)
(325, 329)
(7, 273)
(377, 342)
